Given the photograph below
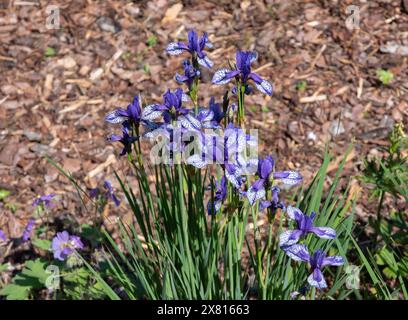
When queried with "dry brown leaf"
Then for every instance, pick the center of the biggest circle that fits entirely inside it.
(48, 85)
(313, 99)
(334, 165)
(73, 107)
(67, 62)
(111, 159)
(172, 12)
(80, 82)
(355, 191)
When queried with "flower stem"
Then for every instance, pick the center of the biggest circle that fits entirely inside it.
(241, 109)
(380, 203)
(193, 92)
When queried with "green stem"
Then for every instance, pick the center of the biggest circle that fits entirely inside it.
(194, 87)
(380, 203)
(194, 93)
(138, 149)
(241, 104)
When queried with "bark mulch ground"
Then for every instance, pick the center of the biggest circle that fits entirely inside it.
(56, 85)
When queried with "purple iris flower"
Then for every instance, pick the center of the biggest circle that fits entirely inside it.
(63, 245)
(174, 138)
(289, 178)
(248, 90)
(219, 197)
(190, 73)
(206, 118)
(305, 226)
(45, 200)
(302, 291)
(243, 71)
(193, 122)
(110, 194)
(126, 140)
(94, 192)
(227, 151)
(273, 204)
(216, 110)
(27, 230)
(151, 126)
(195, 47)
(133, 113)
(3, 236)
(210, 118)
(233, 172)
(171, 108)
(317, 261)
(265, 173)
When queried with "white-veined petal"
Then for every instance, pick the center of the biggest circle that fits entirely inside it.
(316, 279)
(219, 76)
(185, 97)
(174, 49)
(159, 132)
(113, 117)
(293, 212)
(197, 161)
(284, 238)
(205, 62)
(292, 179)
(254, 195)
(333, 261)
(206, 115)
(150, 113)
(298, 252)
(189, 122)
(265, 87)
(233, 179)
(324, 232)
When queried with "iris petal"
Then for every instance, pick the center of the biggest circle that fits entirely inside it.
(289, 237)
(294, 213)
(220, 76)
(197, 161)
(190, 122)
(256, 191)
(298, 252)
(289, 178)
(176, 48)
(333, 261)
(205, 62)
(316, 279)
(233, 176)
(264, 204)
(150, 113)
(265, 87)
(324, 232)
(115, 117)
(180, 78)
